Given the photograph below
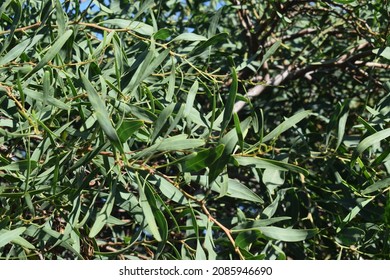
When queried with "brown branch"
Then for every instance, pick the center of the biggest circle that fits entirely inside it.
(225, 229)
(21, 29)
(257, 90)
(247, 24)
(347, 60)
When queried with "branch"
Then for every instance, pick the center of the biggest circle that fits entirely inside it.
(257, 90)
(22, 29)
(344, 61)
(221, 226)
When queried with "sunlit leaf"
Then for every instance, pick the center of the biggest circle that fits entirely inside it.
(288, 234)
(51, 53)
(101, 113)
(7, 236)
(285, 125)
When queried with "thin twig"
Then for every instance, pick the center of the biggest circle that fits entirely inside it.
(221, 226)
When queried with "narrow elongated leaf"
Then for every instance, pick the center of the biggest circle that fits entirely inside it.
(246, 238)
(373, 139)
(263, 163)
(190, 98)
(382, 184)
(101, 113)
(46, 99)
(179, 142)
(341, 128)
(104, 214)
(258, 223)
(270, 51)
(137, 26)
(145, 6)
(189, 37)
(15, 52)
(51, 53)
(16, 16)
(227, 114)
(169, 190)
(240, 191)
(203, 159)
(20, 165)
(171, 82)
(287, 124)
(147, 211)
(214, 23)
(209, 241)
(383, 52)
(153, 65)
(23, 242)
(7, 236)
(350, 236)
(237, 125)
(128, 128)
(288, 234)
(230, 142)
(61, 22)
(162, 120)
(352, 214)
(162, 34)
(210, 42)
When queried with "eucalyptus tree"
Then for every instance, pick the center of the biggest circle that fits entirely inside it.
(194, 129)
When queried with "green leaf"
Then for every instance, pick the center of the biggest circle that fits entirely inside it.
(352, 214)
(147, 210)
(382, 184)
(128, 128)
(46, 99)
(209, 241)
(16, 16)
(240, 191)
(190, 98)
(344, 1)
(202, 159)
(20, 165)
(189, 37)
(60, 16)
(162, 34)
(7, 236)
(263, 163)
(373, 139)
(383, 52)
(171, 82)
(252, 225)
(23, 242)
(237, 125)
(179, 142)
(246, 238)
(104, 213)
(350, 236)
(288, 234)
(228, 111)
(168, 190)
(341, 126)
(101, 113)
(137, 26)
(160, 123)
(51, 53)
(15, 52)
(230, 142)
(287, 124)
(270, 52)
(214, 23)
(210, 42)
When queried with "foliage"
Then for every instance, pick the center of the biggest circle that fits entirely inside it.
(194, 129)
